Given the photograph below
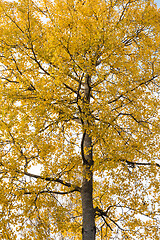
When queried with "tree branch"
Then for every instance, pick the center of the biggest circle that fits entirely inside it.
(122, 95)
(140, 164)
(50, 179)
(104, 214)
(53, 192)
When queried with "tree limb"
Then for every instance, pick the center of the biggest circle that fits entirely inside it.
(122, 95)
(50, 179)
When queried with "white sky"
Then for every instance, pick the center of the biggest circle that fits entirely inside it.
(158, 2)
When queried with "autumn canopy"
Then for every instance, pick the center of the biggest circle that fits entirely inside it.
(79, 97)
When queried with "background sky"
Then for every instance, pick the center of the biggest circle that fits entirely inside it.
(158, 2)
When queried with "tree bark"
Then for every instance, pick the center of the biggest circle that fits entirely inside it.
(88, 230)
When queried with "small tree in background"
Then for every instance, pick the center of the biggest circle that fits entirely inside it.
(79, 98)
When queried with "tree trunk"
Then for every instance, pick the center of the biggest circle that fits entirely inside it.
(88, 230)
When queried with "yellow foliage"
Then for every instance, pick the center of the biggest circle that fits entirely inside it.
(79, 96)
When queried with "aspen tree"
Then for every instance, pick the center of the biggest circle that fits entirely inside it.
(79, 97)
